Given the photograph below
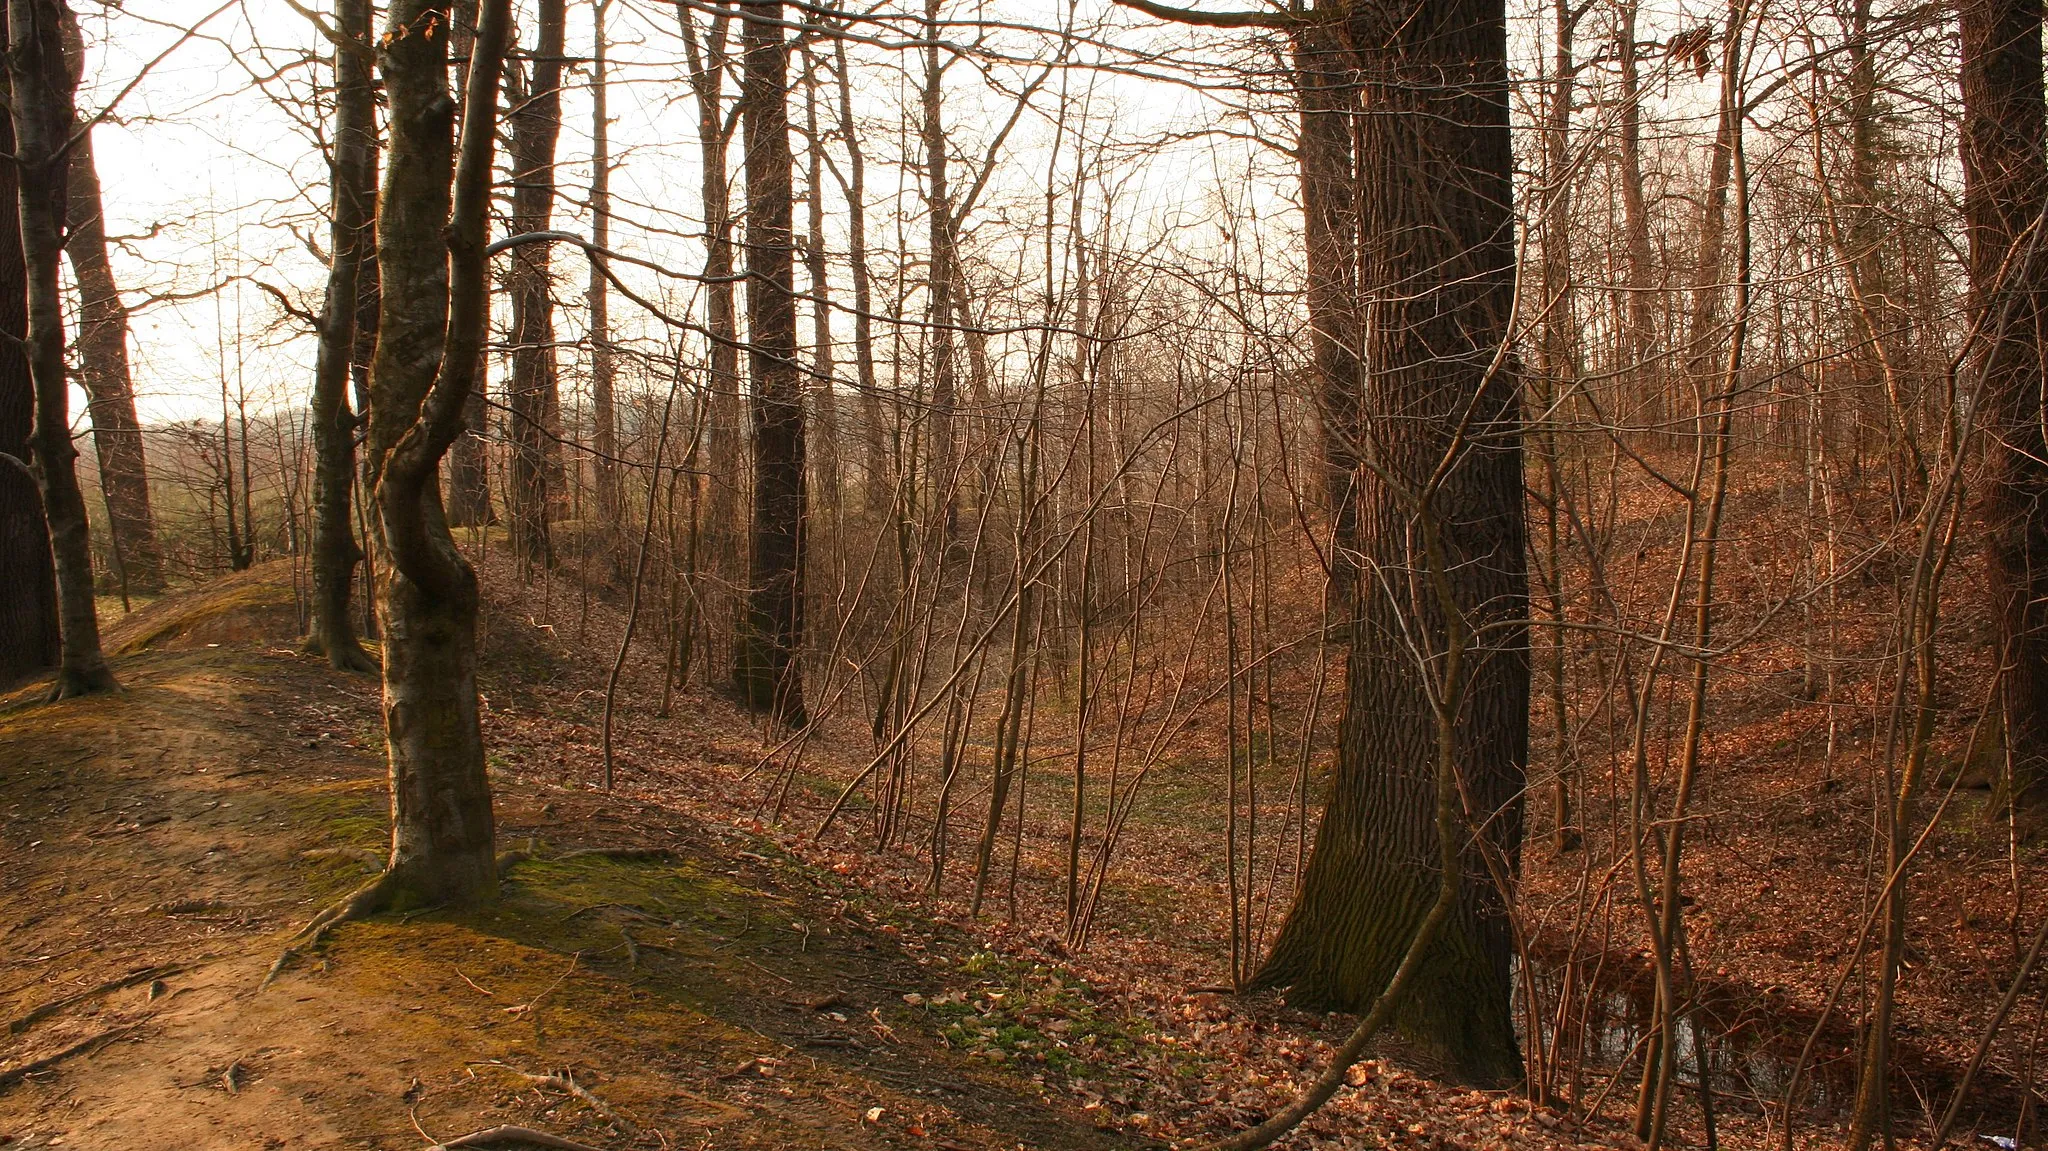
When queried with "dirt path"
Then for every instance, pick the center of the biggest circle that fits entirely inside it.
(701, 991)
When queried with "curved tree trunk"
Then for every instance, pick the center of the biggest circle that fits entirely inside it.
(352, 243)
(534, 400)
(766, 668)
(1440, 528)
(430, 256)
(103, 362)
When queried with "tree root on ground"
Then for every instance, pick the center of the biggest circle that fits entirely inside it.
(509, 1134)
(10, 1078)
(145, 975)
(365, 900)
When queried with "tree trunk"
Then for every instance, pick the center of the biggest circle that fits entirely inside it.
(534, 402)
(766, 667)
(2005, 185)
(469, 460)
(708, 59)
(944, 433)
(42, 85)
(103, 362)
(28, 614)
(1440, 526)
(352, 243)
(604, 438)
(433, 304)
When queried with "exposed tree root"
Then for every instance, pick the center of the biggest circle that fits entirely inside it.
(145, 975)
(509, 1134)
(73, 683)
(10, 1078)
(365, 900)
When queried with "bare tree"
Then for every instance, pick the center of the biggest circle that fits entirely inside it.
(351, 246)
(41, 103)
(103, 361)
(767, 669)
(430, 255)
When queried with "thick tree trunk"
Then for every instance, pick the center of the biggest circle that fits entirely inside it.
(2005, 186)
(28, 615)
(44, 116)
(1440, 527)
(534, 402)
(103, 363)
(352, 242)
(767, 670)
(430, 335)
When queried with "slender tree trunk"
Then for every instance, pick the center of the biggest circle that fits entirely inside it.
(103, 362)
(944, 435)
(604, 438)
(876, 470)
(1440, 524)
(41, 89)
(469, 459)
(708, 58)
(430, 253)
(534, 401)
(2004, 192)
(1641, 334)
(28, 614)
(824, 432)
(352, 244)
(766, 667)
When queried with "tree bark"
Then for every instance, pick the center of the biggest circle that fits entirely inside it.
(2005, 187)
(534, 402)
(352, 244)
(28, 614)
(1439, 509)
(41, 90)
(103, 362)
(767, 670)
(430, 255)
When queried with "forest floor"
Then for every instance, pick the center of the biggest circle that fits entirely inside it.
(693, 987)
(714, 974)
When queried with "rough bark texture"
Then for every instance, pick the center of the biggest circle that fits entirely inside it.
(352, 244)
(2005, 186)
(103, 363)
(28, 614)
(430, 259)
(41, 87)
(1441, 536)
(766, 669)
(534, 402)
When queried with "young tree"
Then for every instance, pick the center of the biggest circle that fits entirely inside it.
(41, 87)
(2005, 189)
(351, 245)
(103, 361)
(534, 401)
(431, 258)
